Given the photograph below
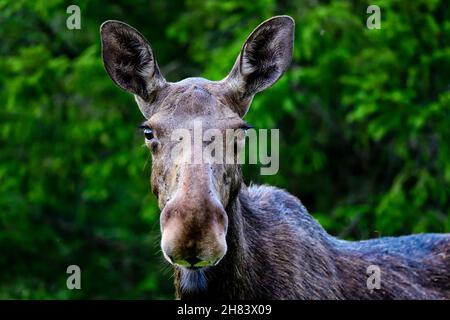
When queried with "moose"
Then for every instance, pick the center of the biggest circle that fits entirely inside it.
(227, 240)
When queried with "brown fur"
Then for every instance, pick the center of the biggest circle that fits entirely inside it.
(278, 251)
(227, 241)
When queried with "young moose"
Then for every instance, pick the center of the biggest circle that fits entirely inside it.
(230, 241)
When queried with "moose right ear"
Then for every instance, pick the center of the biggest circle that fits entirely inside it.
(264, 58)
(129, 60)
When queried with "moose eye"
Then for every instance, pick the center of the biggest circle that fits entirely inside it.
(246, 126)
(148, 132)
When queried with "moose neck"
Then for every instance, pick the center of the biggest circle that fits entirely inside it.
(266, 260)
(271, 259)
(260, 251)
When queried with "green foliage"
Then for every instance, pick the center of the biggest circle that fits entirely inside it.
(364, 118)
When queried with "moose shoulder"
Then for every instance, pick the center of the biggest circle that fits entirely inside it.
(230, 241)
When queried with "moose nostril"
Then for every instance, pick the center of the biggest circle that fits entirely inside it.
(193, 260)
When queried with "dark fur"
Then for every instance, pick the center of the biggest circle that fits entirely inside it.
(276, 250)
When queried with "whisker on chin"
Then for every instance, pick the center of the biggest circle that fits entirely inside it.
(146, 162)
(166, 268)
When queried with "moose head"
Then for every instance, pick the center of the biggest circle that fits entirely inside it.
(193, 196)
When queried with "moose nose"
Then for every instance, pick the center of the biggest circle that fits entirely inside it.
(193, 260)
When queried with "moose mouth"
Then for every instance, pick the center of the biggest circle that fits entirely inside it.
(195, 265)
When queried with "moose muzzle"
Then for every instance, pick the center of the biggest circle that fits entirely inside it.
(194, 226)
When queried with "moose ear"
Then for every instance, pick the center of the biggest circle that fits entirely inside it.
(129, 60)
(264, 57)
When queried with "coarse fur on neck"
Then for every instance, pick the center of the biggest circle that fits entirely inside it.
(277, 250)
(255, 266)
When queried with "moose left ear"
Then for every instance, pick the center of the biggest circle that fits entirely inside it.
(129, 61)
(264, 57)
